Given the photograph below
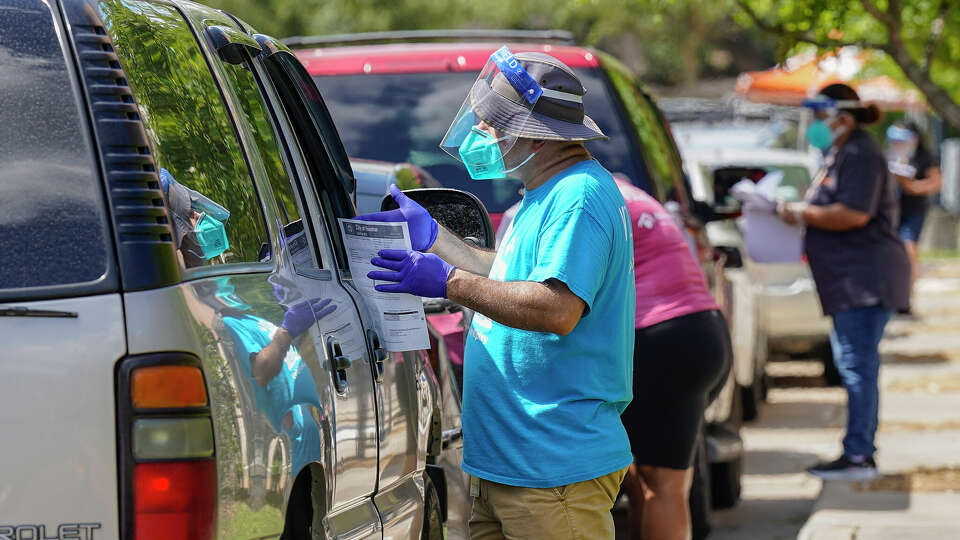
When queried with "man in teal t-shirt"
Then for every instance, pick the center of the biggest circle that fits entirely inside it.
(548, 362)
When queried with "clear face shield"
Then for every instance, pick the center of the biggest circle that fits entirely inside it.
(492, 117)
(825, 111)
(901, 143)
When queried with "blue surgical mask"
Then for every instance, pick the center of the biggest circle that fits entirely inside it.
(211, 236)
(481, 154)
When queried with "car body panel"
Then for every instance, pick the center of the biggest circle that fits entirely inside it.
(59, 465)
(426, 57)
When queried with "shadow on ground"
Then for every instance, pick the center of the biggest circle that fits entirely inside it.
(802, 415)
(768, 462)
(784, 517)
(915, 359)
(839, 495)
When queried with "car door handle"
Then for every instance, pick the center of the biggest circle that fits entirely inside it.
(450, 436)
(339, 364)
(379, 355)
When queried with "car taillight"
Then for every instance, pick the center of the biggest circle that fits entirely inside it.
(174, 500)
(167, 465)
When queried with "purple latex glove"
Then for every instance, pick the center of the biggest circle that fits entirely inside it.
(423, 228)
(301, 315)
(421, 274)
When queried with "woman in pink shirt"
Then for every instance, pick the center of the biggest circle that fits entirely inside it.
(681, 357)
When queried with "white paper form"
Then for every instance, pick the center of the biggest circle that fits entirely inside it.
(402, 323)
(768, 239)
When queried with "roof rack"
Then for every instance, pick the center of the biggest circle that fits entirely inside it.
(561, 37)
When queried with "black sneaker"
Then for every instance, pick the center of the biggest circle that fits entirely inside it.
(845, 469)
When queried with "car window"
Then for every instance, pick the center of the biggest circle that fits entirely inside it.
(193, 138)
(245, 88)
(53, 224)
(656, 145)
(318, 141)
(402, 117)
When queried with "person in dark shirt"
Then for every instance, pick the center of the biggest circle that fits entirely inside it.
(917, 172)
(858, 262)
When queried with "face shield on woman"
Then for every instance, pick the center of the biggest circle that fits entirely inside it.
(825, 110)
(901, 143)
(493, 117)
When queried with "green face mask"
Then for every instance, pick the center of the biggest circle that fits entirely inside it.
(481, 154)
(211, 236)
(819, 135)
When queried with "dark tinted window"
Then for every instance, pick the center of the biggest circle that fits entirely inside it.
(403, 117)
(247, 92)
(53, 228)
(188, 124)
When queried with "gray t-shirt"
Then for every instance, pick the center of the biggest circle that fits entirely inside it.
(866, 266)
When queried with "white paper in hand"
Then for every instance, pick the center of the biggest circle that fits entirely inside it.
(400, 319)
(767, 238)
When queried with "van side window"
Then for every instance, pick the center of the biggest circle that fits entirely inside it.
(210, 193)
(330, 170)
(298, 237)
(53, 219)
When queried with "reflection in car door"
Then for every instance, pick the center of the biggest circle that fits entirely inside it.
(338, 394)
(403, 396)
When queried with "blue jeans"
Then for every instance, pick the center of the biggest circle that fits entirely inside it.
(855, 340)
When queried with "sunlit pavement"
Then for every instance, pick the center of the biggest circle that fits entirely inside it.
(918, 495)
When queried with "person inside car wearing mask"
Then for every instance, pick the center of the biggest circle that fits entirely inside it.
(547, 367)
(281, 381)
(917, 172)
(859, 265)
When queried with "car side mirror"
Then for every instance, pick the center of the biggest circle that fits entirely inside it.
(460, 212)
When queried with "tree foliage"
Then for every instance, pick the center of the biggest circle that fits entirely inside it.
(921, 36)
(667, 41)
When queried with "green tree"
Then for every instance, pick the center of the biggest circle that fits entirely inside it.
(921, 36)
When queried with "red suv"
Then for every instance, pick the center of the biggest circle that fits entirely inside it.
(393, 94)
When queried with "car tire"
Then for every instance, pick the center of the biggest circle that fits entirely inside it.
(432, 515)
(830, 373)
(751, 397)
(725, 483)
(699, 500)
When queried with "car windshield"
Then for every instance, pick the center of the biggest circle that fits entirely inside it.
(403, 117)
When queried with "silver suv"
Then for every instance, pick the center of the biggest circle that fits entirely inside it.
(185, 355)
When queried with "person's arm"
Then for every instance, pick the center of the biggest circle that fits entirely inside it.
(834, 217)
(266, 363)
(931, 183)
(455, 251)
(541, 307)
(830, 217)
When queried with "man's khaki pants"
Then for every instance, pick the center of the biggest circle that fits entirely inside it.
(579, 511)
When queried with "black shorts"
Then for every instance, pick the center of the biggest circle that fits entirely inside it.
(679, 367)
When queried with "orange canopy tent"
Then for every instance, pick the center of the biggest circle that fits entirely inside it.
(802, 76)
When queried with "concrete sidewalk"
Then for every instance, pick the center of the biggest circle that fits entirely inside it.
(842, 512)
(918, 496)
